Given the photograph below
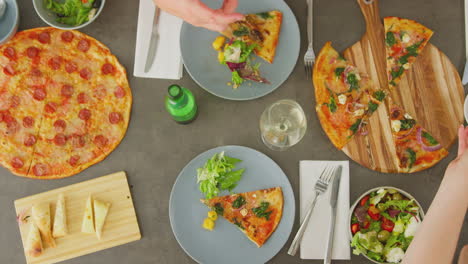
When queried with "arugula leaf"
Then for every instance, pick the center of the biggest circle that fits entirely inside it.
(432, 141)
(354, 127)
(379, 95)
(397, 73)
(339, 71)
(261, 211)
(413, 49)
(240, 201)
(332, 104)
(407, 124)
(373, 106)
(390, 39)
(353, 82)
(404, 59)
(411, 156)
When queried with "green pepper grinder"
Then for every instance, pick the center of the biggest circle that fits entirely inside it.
(181, 105)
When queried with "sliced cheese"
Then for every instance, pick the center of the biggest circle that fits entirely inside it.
(34, 242)
(87, 226)
(396, 125)
(100, 213)
(60, 219)
(41, 217)
(342, 98)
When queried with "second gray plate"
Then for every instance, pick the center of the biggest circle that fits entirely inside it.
(226, 243)
(201, 61)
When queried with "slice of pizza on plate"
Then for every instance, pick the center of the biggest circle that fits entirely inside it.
(416, 148)
(405, 39)
(345, 97)
(87, 226)
(60, 218)
(262, 29)
(256, 213)
(33, 242)
(42, 218)
(101, 209)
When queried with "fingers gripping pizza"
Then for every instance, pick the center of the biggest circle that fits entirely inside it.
(64, 103)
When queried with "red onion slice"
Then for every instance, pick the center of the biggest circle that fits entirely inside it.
(424, 146)
(406, 134)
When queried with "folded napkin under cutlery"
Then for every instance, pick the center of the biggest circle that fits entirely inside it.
(168, 60)
(314, 242)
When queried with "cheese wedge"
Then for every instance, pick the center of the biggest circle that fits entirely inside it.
(60, 220)
(88, 218)
(34, 242)
(41, 217)
(100, 213)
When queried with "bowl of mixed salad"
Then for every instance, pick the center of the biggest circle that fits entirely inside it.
(68, 14)
(383, 222)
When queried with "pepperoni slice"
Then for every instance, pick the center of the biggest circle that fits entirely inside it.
(14, 101)
(44, 37)
(60, 125)
(119, 92)
(107, 68)
(67, 36)
(78, 141)
(60, 139)
(28, 122)
(7, 118)
(39, 94)
(85, 73)
(40, 169)
(71, 67)
(51, 107)
(55, 63)
(17, 162)
(67, 90)
(2, 116)
(82, 98)
(84, 114)
(100, 141)
(115, 118)
(30, 141)
(10, 53)
(84, 45)
(9, 70)
(32, 52)
(73, 161)
(36, 72)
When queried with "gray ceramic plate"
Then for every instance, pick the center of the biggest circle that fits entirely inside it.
(9, 21)
(226, 243)
(201, 61)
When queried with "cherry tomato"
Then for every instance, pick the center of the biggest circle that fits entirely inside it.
(355, 228)
(373, 212)
(366, 224)
(364, 200)
(387, 224)
(397, 49)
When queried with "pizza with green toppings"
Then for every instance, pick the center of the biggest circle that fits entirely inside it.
(345, 97)
(416, 149)
(404, 41)
(256, 213)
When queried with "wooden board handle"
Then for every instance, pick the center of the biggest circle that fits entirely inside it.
(370, 10)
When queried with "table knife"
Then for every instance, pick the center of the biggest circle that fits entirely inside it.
(154, 41)
(333, 202)
(465, 72)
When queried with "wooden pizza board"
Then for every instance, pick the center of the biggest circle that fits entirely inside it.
(431, 92)
(121, 224)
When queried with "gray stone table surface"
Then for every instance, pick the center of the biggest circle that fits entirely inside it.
(155, 148)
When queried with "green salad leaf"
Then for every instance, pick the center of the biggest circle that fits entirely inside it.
(218, 173)
(71, 12)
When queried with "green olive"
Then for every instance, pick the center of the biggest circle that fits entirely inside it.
(383, 235)
(397, 196)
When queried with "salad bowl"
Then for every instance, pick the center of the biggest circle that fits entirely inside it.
(366, 194)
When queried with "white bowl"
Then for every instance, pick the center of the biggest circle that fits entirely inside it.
(50, 18)
(351, 212)
(9, 21)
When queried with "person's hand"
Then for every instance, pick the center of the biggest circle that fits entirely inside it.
(200, 15)
(459, 166)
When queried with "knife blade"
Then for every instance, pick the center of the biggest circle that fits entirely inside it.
(465, 72)
(333, 202)
(154, 40)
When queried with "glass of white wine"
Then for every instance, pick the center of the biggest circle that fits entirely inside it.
(282, 124)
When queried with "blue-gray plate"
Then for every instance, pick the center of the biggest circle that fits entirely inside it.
(9, 22)
(201, 61)
(226, 243)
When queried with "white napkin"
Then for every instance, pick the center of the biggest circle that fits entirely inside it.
(315, 239)
(168, 61)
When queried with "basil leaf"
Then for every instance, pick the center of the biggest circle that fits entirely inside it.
(261, 211)
(411, 156)
(339, 71)
(242, 31)
(432, 141)
(218, 209)
(407, 124)
(354, 127)
(398, 73)
(372, 107)
(379, 95)
(353, 82)
(390, 39)
(240, 201)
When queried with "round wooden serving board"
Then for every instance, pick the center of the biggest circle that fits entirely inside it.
(431, 92)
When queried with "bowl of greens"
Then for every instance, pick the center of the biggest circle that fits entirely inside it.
(383, 222)
(68, 14)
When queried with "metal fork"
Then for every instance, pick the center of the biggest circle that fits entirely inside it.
(320, 188)
(309, 57)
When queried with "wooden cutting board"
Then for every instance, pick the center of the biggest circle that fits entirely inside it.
(121, 224)
(431, 92)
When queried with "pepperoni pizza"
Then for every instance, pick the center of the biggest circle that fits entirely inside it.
(65, 103)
